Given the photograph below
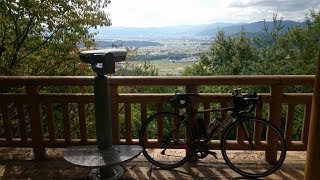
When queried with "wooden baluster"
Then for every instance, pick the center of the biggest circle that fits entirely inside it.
(240, 134)
(176, 133)
(275, 118)
(206, 115)
(258, 126)
(144, 117)
(66, 123)
(144, 113)
(128, 126)
(22, 123)
(51, 125)
(115, 115)
(36, 122)
(223, 114)
(289, 124)
(7, 124)
(160, 123)
(194, 106)
(306, 124)
(82, 123)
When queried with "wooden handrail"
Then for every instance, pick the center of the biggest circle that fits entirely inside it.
(64, 119)
(161, 80)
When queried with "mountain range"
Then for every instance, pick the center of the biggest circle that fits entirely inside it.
(188, 31)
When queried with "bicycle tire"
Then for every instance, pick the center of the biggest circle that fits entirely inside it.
(239, 160)
(173, 147)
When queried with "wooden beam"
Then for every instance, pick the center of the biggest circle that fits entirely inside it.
(313, 150)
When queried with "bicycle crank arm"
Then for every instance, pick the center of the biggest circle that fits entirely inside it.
(214, 154)
(163, 152)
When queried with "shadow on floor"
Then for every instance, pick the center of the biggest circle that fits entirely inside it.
(18, 164)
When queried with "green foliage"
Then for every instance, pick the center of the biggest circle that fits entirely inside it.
(38, 38)
(229, 55)
(272, 52)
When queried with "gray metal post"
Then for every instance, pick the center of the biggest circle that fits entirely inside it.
(103, 112)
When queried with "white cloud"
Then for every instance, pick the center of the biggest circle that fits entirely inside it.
(147, 13)
(264, 9)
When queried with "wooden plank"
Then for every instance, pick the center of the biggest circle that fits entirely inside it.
(36, 122)
(46, 80)
(165, 80)
(206, 115)
(82, 122)
(306, 124)
(143, 113)
(51, 125)
(7, 123)
(240, 134)
(223, 113)
(66, 123)
(128, 121)
(16, 142)
(275, 118)
(115, 115)
(297, 98)
(259, 111)
(213, 80)
(160, 122)
(22, 122)
(66, 98)
(289, 123)
(258, 126)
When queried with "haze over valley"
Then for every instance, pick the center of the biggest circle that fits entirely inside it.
(176, 44)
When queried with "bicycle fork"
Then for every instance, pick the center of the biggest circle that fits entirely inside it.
(248, 135)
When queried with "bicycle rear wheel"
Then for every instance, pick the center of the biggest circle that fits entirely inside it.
(165, 140)
(262, 147)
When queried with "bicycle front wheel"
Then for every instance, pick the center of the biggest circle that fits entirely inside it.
(253, 147)
(165, 140)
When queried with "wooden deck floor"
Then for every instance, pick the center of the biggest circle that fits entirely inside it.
(16, 163)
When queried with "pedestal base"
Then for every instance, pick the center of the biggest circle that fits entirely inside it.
(94, 157)
(106, 173)
(106, 160)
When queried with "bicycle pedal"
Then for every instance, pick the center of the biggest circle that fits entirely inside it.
(214, 154)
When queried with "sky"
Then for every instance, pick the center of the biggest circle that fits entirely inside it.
(157, 13)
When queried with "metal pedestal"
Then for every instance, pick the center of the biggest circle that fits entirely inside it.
(106, 160)
(106, 157)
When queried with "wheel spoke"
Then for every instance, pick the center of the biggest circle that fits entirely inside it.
(171, 149)
(248, 158)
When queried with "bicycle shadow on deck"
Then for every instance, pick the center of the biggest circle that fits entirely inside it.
(218, 170)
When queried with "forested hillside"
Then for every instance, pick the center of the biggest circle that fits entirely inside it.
(273, 52)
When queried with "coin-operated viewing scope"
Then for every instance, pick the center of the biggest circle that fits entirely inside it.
(103, 61)
(105, 157)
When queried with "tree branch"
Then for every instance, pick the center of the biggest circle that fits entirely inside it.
(36, 48)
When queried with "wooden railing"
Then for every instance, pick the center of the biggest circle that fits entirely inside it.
(32, 117)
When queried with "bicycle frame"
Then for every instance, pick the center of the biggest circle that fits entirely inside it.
(191, 114)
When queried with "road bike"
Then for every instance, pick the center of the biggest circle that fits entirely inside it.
(170, 139)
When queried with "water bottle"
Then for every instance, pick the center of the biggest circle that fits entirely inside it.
(213, 125)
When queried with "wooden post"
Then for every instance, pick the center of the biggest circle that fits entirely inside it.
(36, 123)
(313, 150)
(275, 118)
(192, 89)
